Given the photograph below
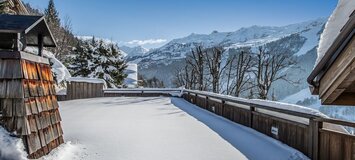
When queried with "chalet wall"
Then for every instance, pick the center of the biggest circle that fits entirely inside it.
(28, 104)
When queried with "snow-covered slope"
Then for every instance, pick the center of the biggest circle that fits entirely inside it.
(335, 23)
(134, 51)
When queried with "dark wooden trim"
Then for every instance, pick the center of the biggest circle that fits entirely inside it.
(323, 130)
(23, 55)
(345, 99)
(336, 121)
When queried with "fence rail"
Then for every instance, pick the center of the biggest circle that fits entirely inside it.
(313, 137)
(316, 136)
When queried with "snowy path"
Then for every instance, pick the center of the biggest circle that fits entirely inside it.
(160, 128)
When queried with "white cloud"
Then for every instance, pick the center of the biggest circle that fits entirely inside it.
(146, 42)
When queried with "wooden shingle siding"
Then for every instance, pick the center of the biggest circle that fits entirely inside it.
(28, 105)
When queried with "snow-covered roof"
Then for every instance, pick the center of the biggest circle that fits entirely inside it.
(334, 25)
(58, 68)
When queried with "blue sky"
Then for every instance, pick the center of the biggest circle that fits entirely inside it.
(154, 22)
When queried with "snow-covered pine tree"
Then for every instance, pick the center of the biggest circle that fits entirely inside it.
(109, 64)
(96, 59)
(80, 64)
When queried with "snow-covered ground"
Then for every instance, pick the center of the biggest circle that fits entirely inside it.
(11, 148)
(158, 128)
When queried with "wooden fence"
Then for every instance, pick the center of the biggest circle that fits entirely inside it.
(82, 90)
(304, 132)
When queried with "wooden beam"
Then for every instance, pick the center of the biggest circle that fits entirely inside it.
(339, 77)
(40, 45)
(345, 99)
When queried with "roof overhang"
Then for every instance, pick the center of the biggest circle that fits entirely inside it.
(30, 27)
(339, 44)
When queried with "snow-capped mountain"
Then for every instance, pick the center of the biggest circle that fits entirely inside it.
(251, 36)
(134, 51)
(300, 39)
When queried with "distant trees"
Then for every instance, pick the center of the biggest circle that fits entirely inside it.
(62, 32)
(244, 73)
(150, 82)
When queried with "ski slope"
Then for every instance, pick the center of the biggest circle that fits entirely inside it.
(159, 128)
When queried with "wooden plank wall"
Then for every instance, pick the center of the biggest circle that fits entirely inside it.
(335, 145)
(29, 106)
(83, 90)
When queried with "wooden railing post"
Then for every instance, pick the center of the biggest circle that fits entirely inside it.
(206, 104)
(222, 108)
(313, 143)
(252, 110)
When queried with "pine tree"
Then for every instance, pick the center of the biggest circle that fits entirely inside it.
(98, 60)
(52, 15)
(109, 64)
(79, 64)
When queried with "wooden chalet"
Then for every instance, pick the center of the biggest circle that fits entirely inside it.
(28, 104)
(333, 78)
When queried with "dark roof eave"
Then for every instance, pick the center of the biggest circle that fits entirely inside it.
(333, 52)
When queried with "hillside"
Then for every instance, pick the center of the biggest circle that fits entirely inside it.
(299, 39)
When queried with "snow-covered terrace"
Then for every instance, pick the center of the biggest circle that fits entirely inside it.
(160, 128)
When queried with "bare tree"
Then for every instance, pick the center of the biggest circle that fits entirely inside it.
(269, 68)
(185, 77)
(238, 73)
(196, 62)
(215, 67)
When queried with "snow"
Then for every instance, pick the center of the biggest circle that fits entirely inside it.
(66, 151)
(267, 103)
(312, 39)
(83, 79)
(294, 98)
(335, 23)
(11, 148)
(58, 68)
(134, 51)
(162, 128)
(131, 81)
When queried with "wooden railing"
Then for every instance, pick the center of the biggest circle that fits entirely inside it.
(314, 135)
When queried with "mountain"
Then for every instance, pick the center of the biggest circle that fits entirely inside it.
(134, 51)
(300, 39)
